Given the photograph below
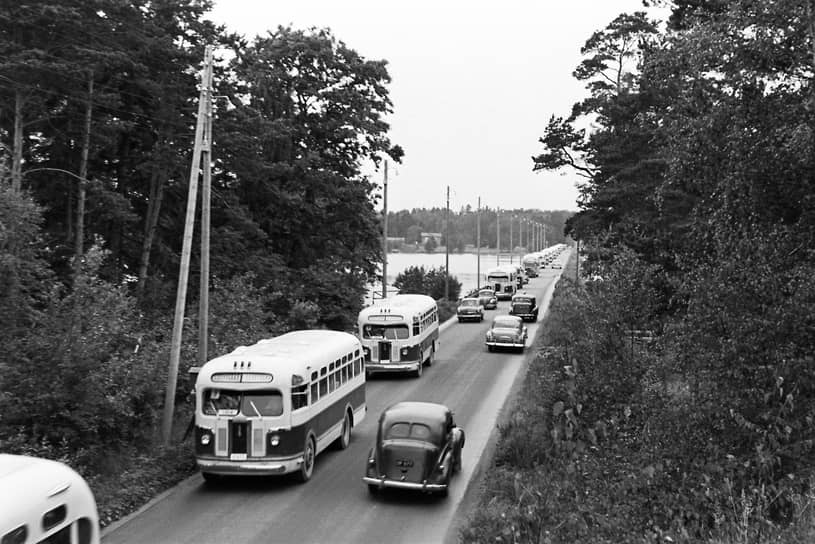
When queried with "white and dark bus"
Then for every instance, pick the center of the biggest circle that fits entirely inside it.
(531, 262)
(271, 407)
(503, 280)
(45, 501)
(400, 334)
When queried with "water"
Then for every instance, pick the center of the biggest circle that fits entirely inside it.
(463, 266)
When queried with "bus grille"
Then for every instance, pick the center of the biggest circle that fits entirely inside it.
(384, 351)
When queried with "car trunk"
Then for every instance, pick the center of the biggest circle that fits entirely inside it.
(408, 460)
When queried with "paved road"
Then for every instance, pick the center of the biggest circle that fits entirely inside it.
(335, 506)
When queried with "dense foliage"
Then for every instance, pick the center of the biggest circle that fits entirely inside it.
(97, 116)
(419, 281)
(697, 224)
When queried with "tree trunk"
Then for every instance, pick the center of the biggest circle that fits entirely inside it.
(150, 223)
(17, 151)
(83, 172)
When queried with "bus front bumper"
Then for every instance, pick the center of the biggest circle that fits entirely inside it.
(401, 366)
(261, 467)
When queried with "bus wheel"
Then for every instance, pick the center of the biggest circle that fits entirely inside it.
(418, 372)
(432, 357)
(345, 435)
(307, 466)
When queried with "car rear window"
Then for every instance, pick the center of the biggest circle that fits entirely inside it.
(415, 431)
(504, 322)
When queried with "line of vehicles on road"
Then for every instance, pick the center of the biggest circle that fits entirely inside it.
(272, 407)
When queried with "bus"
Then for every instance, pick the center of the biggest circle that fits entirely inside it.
(45, 501)
(502, 279)
(400, 334)
(272, 407)
(531, 263)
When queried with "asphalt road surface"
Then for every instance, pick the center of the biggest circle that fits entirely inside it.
(335, 505)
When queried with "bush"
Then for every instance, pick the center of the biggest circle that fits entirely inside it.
(418, 280)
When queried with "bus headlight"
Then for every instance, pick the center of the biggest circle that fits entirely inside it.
(404, 351)
(274, 440)
(205, 439)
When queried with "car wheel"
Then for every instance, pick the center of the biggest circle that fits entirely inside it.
(373, 489)
(345, 435)
(307, 466)
(460, 320)
(490, 348)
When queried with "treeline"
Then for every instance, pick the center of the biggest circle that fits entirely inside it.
(410, 224)
(698, 226)
(97, 117)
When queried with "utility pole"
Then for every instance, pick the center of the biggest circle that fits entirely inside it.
(498, 236)
(544, 235)
(478, 245)
(511, 247)
(385, 235)
(206, 189)
(181, 293)
(447, 248)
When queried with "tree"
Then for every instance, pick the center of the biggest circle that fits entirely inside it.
(430, 245)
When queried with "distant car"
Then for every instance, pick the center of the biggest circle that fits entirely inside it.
(507, 331)
(557, 264)
(524, 306)
(488, 299)
(470, 309)
(418, 446)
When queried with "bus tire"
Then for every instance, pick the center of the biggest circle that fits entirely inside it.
(344, 439)
(418, 372)
(307, 466)
(432, 357)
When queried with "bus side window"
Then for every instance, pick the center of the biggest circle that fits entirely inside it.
(416, 329)
(299, 397)
(323, 387)
(315, 395)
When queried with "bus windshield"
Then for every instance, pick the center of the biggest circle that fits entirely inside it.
(390, 332)
(250, 403)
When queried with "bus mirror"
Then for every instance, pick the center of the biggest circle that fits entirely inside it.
(194, 370)
(296, 379)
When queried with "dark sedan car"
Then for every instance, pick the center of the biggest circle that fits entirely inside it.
(418, 446)
(487, 299)
(524, 306)
(507, 331)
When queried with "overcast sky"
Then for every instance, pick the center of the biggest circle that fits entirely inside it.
(474, 84)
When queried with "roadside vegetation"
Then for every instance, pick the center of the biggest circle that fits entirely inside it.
(431, 282)
(672, 398)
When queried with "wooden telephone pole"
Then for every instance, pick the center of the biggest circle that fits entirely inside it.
(447, 248)
(478, 246)
(202, 142)
(385, 235)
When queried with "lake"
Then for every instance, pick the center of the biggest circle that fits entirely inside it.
(463, 266)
